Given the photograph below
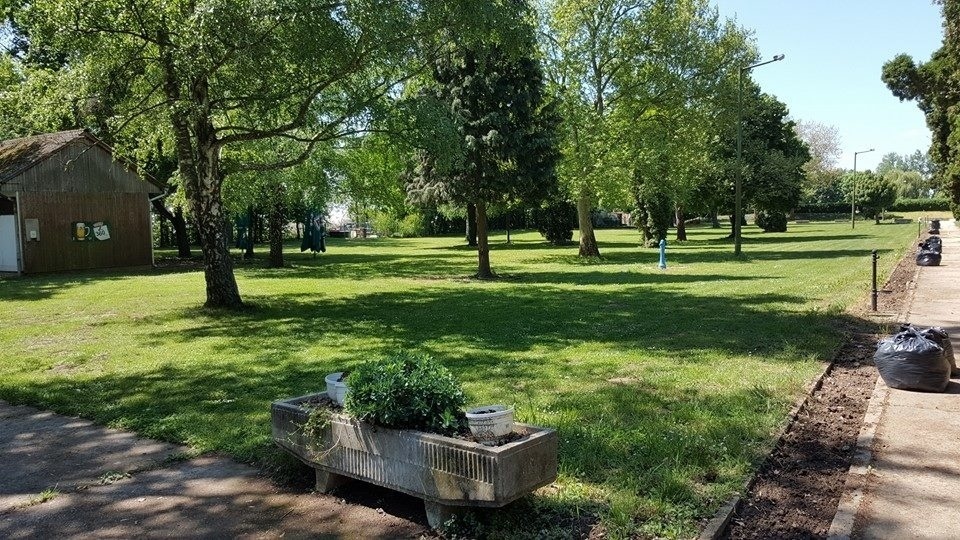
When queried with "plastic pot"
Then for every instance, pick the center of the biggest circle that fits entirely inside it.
(490, 422)
(336, 387)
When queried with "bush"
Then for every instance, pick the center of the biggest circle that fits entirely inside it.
(771, 221)
(406, 391)
(555, 221)
(920, 205)
(387, 224)
(824, 208)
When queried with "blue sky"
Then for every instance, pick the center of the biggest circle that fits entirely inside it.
(835, 50)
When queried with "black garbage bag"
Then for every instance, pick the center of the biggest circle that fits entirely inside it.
(933, 231)
(934, 243)
(909, 361)
(935, 224)
(928, 258)
(940, 337)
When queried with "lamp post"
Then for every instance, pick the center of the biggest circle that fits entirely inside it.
(853, 197)
(737, 205)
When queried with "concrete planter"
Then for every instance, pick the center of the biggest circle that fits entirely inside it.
(445, 472)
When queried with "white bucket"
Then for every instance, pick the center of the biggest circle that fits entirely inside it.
(336, 389)
(490, 422)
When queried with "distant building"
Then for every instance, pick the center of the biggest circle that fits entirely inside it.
(67, 204)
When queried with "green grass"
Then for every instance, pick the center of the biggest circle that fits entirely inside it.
(665, 386)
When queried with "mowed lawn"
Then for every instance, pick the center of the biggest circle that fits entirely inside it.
(665, 386)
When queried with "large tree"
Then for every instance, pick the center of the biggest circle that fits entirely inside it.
(218, 75)
(935, 86)
(494, 93)
(773, 158)
(620, 65)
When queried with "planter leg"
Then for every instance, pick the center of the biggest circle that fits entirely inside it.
(327, 482)
(438, 514)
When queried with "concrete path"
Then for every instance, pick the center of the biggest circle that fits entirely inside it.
(913, 489)
(104, 483)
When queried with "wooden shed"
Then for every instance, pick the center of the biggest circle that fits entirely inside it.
(67, 204)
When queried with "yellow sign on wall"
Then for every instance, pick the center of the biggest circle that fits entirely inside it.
(87, 231)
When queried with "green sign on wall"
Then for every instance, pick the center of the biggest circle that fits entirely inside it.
(90, 231)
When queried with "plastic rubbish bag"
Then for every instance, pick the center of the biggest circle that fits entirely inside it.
(909, 361)
(928, 258)
(934, 243)
(940, 337)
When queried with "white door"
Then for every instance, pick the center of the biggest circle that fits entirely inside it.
(8, 244)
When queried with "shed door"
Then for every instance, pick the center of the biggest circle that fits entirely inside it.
(8, 244)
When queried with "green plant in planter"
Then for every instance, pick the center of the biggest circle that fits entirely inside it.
(407, 391)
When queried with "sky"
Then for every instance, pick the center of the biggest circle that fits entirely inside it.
(835, 51)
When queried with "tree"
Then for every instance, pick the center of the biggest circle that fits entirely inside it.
(494, 94)
(621, 65)
(935, 86)
(821, 174)
(225, 75)
(773, 157)
(875, 194)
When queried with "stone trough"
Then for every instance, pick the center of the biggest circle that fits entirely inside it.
(446, 472)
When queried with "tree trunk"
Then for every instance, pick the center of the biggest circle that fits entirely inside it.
(471, 224)
(248, 247)
(276, 229)
(681, 226)
(588, 241)
(179, 224)
(714, 219)
(483, 244)
(199, 167)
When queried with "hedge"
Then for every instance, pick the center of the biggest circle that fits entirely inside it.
(919, 205)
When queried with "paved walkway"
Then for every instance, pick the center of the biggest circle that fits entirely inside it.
(913, 489)
(106, 483)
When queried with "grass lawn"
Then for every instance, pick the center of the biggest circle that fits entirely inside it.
(665, 386)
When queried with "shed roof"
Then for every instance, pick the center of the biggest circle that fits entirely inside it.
(19, 155)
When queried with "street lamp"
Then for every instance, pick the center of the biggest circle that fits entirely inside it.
(737, 186)
(853, 197)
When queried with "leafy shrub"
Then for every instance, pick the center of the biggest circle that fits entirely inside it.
(387, 224)
(406, 391)
(824, 208)
(556, 220)
(771, 221)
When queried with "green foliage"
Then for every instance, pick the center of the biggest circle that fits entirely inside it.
(932, 85)
(406, 391)
(408, 226)
(920, 205)
(556, 220)
(771, 221)
(875, 194)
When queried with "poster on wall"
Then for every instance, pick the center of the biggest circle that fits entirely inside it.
(90, 231)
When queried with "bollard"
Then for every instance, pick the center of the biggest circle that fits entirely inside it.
(873, 300)
(663, 253)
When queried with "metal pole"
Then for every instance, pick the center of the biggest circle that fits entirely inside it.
(873, 301)
(853, 197)
(739, 180)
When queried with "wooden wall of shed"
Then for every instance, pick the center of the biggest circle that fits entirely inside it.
(127, 214)
(81, 167)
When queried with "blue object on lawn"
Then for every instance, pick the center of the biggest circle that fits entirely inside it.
(663, 253)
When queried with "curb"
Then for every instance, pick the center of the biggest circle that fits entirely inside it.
(842, 525)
